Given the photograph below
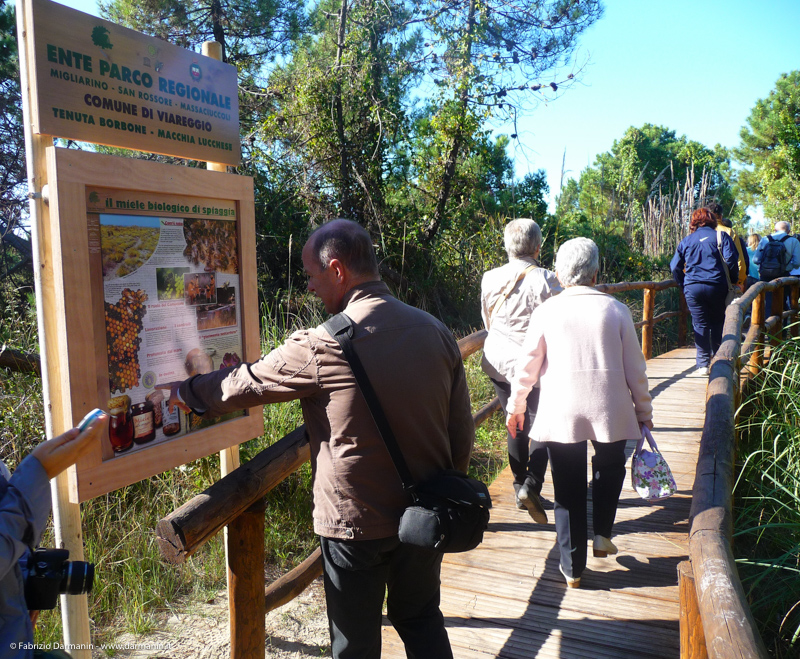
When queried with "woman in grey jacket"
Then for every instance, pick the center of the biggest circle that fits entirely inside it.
(509, 294)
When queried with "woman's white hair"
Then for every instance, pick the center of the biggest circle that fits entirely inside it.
(577, 262)
(522, 237)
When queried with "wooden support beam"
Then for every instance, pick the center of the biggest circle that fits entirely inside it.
(693, 640)
(647, 319)
(472, 343)
(777, 310)
(246, 582)
(184, 530)
(486, 411)
(757, 320)
(291, 584)
(21, 362)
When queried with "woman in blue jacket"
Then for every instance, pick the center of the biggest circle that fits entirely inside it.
(697, 267)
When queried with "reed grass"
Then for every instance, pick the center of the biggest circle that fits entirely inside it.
(767, 501)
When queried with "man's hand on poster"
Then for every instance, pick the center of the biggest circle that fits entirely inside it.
(174, 399)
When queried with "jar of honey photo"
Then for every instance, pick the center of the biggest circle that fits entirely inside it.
(120, 428)
(144, 422)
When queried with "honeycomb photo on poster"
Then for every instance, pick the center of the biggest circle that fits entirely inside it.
(126, 243)
(199, 288)
(169, 283)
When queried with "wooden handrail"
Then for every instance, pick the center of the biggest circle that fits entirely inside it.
(728, 624)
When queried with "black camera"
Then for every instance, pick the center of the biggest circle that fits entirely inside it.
(50, 574)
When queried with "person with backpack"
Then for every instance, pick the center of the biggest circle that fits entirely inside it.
(776, 256)
(724, 225)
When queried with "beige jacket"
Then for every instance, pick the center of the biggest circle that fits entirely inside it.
(583, 351)
(507, 321)
(416, 369)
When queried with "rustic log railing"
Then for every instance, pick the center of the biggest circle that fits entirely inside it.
(728, 629)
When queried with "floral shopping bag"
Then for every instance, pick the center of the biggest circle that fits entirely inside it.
(650, 474)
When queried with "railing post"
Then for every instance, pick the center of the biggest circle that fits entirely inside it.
(777, 310)
(757, 319)
(794, 294)
(682, 319)
(647, 318)
(693, 639)
(246, 582)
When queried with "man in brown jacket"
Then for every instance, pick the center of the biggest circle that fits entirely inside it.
(416, 369)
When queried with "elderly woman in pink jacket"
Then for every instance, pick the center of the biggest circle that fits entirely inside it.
(582, 349)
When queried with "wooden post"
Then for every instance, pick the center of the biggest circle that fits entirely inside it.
(246, 582)
(777, 310)
(647, 318)
(794, 294)
(693, 640)
(57, 412)
(245, 530)
(757, 319)
(682, 319)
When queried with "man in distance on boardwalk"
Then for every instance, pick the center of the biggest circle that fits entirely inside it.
(416, 369)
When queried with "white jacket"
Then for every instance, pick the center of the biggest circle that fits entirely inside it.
(582, 349)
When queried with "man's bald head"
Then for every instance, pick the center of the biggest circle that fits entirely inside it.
(348, 242)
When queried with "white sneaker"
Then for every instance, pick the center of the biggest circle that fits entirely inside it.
(703, 370)
(602, 547)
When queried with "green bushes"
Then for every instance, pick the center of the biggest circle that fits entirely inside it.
(767, 502)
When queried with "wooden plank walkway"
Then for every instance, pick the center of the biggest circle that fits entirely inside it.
(507, 598)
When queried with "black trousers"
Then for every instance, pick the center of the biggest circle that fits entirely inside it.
(357, 574)
(706, 303)
(528, 460)
(568, 468)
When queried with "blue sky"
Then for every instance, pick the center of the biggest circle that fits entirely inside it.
(695, 66)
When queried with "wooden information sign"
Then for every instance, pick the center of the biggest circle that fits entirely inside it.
(158, 285)
(100, 82)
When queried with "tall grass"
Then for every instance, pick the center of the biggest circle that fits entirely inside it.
(767, 501)
(133, 587)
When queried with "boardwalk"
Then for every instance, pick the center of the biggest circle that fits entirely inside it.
(508, 599)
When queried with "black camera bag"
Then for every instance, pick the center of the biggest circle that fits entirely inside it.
(450, 511)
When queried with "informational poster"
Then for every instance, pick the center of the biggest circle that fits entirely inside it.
(103, 83)
(171, 288)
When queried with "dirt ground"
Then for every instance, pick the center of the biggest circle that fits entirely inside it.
(296, 630)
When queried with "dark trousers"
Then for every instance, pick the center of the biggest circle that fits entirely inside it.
(568, 468)
(357, 575)
(707, 305)
(527, 460)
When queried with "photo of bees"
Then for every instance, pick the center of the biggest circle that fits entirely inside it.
(124, 322)
(212, 244)
(127, 243)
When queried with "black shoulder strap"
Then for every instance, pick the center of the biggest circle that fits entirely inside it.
(340, 327)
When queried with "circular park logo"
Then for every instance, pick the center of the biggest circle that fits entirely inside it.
(149, 380)
(195, 71)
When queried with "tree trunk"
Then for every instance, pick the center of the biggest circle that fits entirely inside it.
(449, 171)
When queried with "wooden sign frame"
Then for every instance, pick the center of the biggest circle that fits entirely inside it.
(80, 301)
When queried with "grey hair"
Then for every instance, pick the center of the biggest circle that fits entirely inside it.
(783, 226)
(522, 237)
(577, 262)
